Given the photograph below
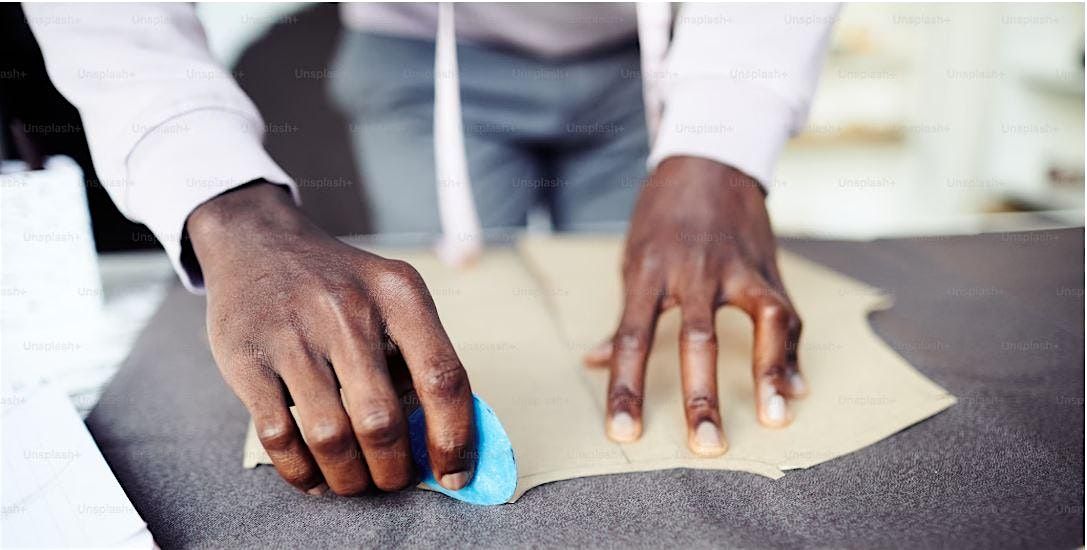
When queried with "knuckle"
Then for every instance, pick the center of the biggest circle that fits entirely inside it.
(351, 488)
(394, 483)
(774, 371)
(400, 274)
(298, 476)
(379, 428)
(624, 398)
(631, 341)
(698, 403)
(698, 334)
(330, 437)
(445, 377)
(399, 282)
(643, 263)
(777, 315)
(276, 436)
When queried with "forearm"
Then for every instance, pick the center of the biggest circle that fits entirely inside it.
(740, 78)
(168, 128)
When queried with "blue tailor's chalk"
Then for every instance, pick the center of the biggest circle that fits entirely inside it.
(495, 476)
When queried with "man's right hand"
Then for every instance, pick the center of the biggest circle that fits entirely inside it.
(294, 313)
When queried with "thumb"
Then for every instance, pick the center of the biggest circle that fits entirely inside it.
(600, 355)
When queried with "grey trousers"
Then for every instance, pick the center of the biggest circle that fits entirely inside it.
(568, 135)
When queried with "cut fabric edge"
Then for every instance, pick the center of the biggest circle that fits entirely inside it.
(939, 404)
(531, 481)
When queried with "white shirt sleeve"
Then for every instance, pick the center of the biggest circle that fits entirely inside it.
(168, 128)
(738, 81)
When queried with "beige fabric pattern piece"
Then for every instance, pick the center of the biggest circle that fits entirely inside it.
(520, 321)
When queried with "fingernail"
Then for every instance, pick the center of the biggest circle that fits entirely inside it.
(775, 408)
(708, 438)
(455, 481)
(318, 490)
(797, 384)
(622, 428)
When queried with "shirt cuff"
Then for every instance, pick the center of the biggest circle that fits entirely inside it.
(188, 160)
(734, 122)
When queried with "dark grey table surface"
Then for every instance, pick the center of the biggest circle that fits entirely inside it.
(996, 319)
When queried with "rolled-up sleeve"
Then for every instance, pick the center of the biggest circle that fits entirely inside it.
(738, 81)
(168, 127)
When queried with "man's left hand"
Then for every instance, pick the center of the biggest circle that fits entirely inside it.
(700, 238)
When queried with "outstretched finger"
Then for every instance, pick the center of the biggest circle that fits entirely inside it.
(698, 370)
(631, 346)
(438, 376)
(777, 333)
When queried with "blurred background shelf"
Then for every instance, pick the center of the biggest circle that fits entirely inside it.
(938, 119)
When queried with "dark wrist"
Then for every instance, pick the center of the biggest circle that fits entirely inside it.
(242, 216)
(253, 200)
(710, 169)
(720, 176)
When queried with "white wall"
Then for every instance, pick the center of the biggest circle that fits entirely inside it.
(929, 117)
